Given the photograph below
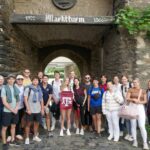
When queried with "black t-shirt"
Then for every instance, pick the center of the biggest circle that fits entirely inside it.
(46, 92)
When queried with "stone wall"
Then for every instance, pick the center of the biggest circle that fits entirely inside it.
(82, 7)
(119, 54)
(16, 51)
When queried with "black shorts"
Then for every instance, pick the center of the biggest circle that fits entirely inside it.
(37, 117)
(9, 118)
(96, 110)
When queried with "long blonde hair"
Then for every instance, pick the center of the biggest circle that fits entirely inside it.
(63, 85)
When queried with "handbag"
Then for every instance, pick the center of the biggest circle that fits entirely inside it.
(130, 111)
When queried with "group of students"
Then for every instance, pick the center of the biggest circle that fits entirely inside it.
(92, 104)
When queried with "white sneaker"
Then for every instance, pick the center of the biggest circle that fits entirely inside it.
(145, 146)
(8, 139)
(135, 144)
(121, 133)
(27, 141)
(116, 140)
(61, 132)
(52, 128)
(102, 129)
(68, 132)
(74, 126)
(82, 132)
(130, 138)
(45, 127)
(64, 129)
(37, 139)
(110, 137)
(126, 137)
(19, 137)
(77, 131)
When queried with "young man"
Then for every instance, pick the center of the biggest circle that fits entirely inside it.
(33, 99)
(10, 98)
(26, 75)
(1, 103)
(56, 99)
(40, 76)
(88, 118)
(47, 94)
(19, 85)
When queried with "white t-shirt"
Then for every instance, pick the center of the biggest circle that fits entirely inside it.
(56, 89)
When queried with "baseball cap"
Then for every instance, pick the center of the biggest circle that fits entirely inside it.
(11, 76)
(19, 77)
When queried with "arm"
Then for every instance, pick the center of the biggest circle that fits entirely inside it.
(85, 98)
(48, 102)
(6, 104)
(89, 97)
(145, 100)
(42, 107)
(27, 105)
(104, 104)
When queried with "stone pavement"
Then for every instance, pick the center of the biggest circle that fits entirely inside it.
(76, 142)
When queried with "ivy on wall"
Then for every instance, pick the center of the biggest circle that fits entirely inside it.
(135, 20)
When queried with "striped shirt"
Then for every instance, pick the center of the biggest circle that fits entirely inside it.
(112, 101)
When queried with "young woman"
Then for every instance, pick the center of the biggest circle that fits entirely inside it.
(80, 96)
(110, 106)
(138, 98)
(126, 85)
(66, 99)
(95, 104)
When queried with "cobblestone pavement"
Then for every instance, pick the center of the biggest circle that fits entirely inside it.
(76, 142)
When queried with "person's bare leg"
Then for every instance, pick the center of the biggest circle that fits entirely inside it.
(68, 118)
(94, 122)
(12, 131)
(4, 129)
(36, 128)
(27, 129)
(63, 112)
(98, 122)
(48, 121)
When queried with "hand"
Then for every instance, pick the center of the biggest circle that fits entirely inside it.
(42, 112)
(135, 100)
(88, 109)
(28, 112)
(15, 111)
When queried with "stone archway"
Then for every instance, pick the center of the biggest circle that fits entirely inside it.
(80, 61)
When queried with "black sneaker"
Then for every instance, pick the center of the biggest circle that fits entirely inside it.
(5, 147)
(14, 143)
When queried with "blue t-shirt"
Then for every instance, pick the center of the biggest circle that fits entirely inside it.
(46, 92)
(95, 102)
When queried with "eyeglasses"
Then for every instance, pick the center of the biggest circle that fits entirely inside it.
(20, 79)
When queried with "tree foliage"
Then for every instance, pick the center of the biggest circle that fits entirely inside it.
(134, 20)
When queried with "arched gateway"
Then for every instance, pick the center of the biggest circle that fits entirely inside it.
(32, 33)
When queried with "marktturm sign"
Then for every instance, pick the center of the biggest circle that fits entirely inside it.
(62, 19)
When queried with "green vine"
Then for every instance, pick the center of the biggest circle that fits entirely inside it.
(134, 20)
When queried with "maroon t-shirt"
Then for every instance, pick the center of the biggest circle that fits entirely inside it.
(103, 86)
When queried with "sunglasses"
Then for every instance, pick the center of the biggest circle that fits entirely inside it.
(20, 79)
(26, 72)
(87, 77)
